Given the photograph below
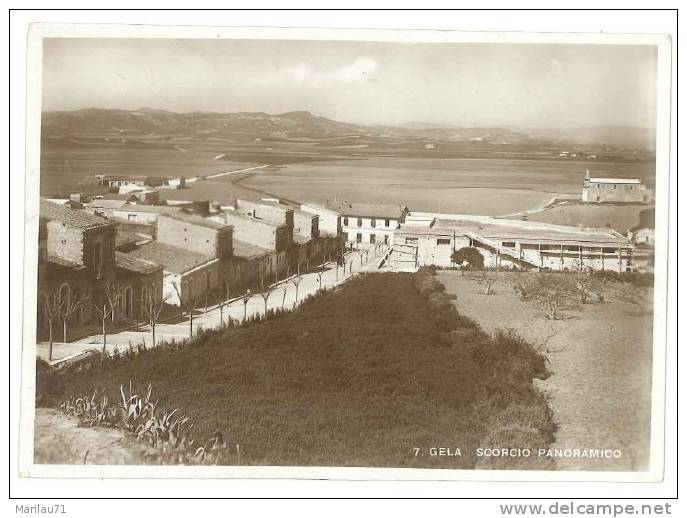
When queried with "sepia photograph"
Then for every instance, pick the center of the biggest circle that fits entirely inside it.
(442, 255)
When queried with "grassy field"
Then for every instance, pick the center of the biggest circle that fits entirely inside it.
(359, 376)
(600, 357)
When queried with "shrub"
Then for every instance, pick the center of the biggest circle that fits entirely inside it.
(469, 255)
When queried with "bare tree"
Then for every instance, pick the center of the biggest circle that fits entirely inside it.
(283, 298)
(187, 301)
(68, 306)
(296, 281)
(320, 273)
(152, 304)
(50, 305)
(265, 293)
(245, 299)
(487, 281)
(106, 308)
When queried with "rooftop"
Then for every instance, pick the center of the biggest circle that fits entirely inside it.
(61, 261)
(248, 250)
(495, 228)
(196, 219)
(76, 218)
(616, 180)
(134, 264)
(318, 207)
(174, 259)
(370, 210)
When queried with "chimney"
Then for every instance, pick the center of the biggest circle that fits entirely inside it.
(201, 207)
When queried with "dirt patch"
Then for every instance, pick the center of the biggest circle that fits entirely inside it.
(600, 356)
(58, 439)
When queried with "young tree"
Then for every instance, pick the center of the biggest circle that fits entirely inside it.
(106, 307)
(319, 274)
(187, 301)
(296, 281)
(246, 298)
(487, 281)
(265, 293)
(152, 304)
(361, 253)
(50, 305)
(68, 306)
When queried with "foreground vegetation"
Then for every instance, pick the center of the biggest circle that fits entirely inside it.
(358, 376)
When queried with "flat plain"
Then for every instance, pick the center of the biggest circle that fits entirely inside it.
(489, 186)
(600, 358)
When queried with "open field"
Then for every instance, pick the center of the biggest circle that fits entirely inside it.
(303, 172)
(464, 186)
(600, 357)
(358, 376)
(620, 217)
(64, 168)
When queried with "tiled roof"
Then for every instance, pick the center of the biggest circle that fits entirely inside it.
(133, 264)
(108, 204)
(174, 259)
(61, 261)
(248, 250)
(76, 218)
(370, 210)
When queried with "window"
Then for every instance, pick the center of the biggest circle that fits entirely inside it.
(615, 186)
(132, 218)
(373, 239)
(373, 222)
(441, 241)
(98, 258)
(386, 222)
(509, 244)
(345, 222)
(358, 238)
(411, 240)
(360, 222)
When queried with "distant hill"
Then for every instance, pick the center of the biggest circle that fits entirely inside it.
(147, 120)
(616, 136)
(303, 124)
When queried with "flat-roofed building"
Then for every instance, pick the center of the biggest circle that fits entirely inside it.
(615, 190)
(507, 244)
(366, 224)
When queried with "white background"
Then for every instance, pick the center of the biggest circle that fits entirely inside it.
(532, 21)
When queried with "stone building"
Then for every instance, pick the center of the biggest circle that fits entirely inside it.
(78, 260)
(615, 190)
(194, 252)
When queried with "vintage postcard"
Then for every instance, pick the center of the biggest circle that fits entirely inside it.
(345, 254)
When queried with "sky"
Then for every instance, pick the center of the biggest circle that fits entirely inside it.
(461, 84)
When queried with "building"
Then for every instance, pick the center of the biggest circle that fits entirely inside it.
(126, 211)
(193, 250)
(615, 190)
(430, 239)
(78, 261)
(364, 224)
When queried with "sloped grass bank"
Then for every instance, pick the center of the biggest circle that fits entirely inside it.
(378, 372)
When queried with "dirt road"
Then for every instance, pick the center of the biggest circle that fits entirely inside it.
(58, 439)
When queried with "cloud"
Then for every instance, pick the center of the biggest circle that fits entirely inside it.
(359, 71)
